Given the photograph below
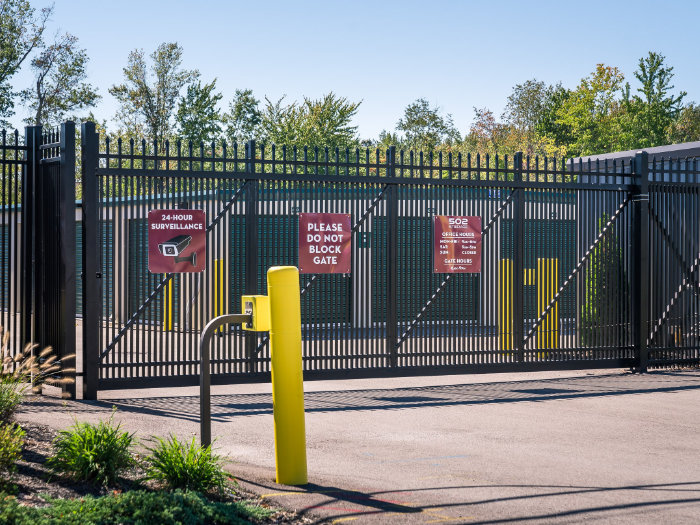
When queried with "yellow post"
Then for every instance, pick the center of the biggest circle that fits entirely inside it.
(547, 287)
(287, 378)
(168, 306)
(219, 291)
(505, 310)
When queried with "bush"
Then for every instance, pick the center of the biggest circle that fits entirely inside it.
(11, 393)
(94, 453)
(27, 367)
(185, 466)
(11, 442)
(18, 371)
(133, 507)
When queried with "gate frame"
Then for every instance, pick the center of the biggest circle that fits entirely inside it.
(635, 184)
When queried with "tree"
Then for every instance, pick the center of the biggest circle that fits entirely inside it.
(531, 111)
(485, 132)
(149, 95)
(424, 128)
(527, 104)
(387, 139)
(21, 29)
(198, 117)
(244, 117)
(59, 82)
(547, 125)
(686, 128)
(649, 114)
(591, 112)
(324, 122)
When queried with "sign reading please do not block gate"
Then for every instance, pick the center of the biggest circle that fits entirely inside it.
(324, 243)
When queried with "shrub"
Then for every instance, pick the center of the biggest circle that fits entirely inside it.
(26, 368)
(185, 466)
(94, 453)
(11, 442)
(11, 392)
(133, 507)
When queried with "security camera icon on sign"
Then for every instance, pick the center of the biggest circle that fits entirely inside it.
(174, 248)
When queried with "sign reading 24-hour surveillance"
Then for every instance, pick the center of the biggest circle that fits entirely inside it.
(456, 244)
(324, 243)
(177, 241)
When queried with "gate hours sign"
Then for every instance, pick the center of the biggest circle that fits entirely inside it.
(324, 243)
(176, 241)
(456, 244)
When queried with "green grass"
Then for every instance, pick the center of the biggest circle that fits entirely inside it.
(134, 507)
(98, 453)
(187, 466)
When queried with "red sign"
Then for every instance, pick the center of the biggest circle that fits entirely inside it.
(456, 244)
(177, 241)
(324, 243)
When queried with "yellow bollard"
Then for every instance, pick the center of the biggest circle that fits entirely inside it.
(547, 287)
(505, 310)
(287, 377)
(168, 306)
(219, 290)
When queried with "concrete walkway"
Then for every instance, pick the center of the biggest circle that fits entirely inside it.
(558, 447)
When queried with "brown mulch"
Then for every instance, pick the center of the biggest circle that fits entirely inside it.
(34, 482)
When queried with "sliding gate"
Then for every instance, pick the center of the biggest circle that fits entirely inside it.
(565, 263)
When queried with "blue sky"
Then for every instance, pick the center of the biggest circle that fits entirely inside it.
(458, 55)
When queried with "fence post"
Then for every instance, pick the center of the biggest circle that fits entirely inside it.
(640, 241)
(92, 305)
(32, 140)
(392, 259)
(518, 258)
(66, 210)
(251, 247)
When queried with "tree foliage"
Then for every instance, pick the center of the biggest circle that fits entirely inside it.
(60, 86)
(22, 29)
(149, 94)
(325, 122)
(590, 112)
(649, 114)
(198, 117)
(244, 117)
(424, 128)
(686, 128)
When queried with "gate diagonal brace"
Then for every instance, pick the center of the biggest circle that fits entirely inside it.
(162, 284)
(684, 284)
(573, 274)
(674, 249)
(442, 286)
(356, 227)
(689, 279)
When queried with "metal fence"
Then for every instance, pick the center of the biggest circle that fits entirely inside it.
(14, 298)
(560, 287)
(37, 239)
(583, 264)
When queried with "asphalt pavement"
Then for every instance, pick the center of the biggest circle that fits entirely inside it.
(550, 447)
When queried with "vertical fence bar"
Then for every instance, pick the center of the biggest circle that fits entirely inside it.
(640, 240)
(251, 247)
(392, 260)
(32, 140)
(66, 203)
(92, 307)
(518, 257)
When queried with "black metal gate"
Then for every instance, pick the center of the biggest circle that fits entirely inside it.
(565, 280)
(37, 239)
